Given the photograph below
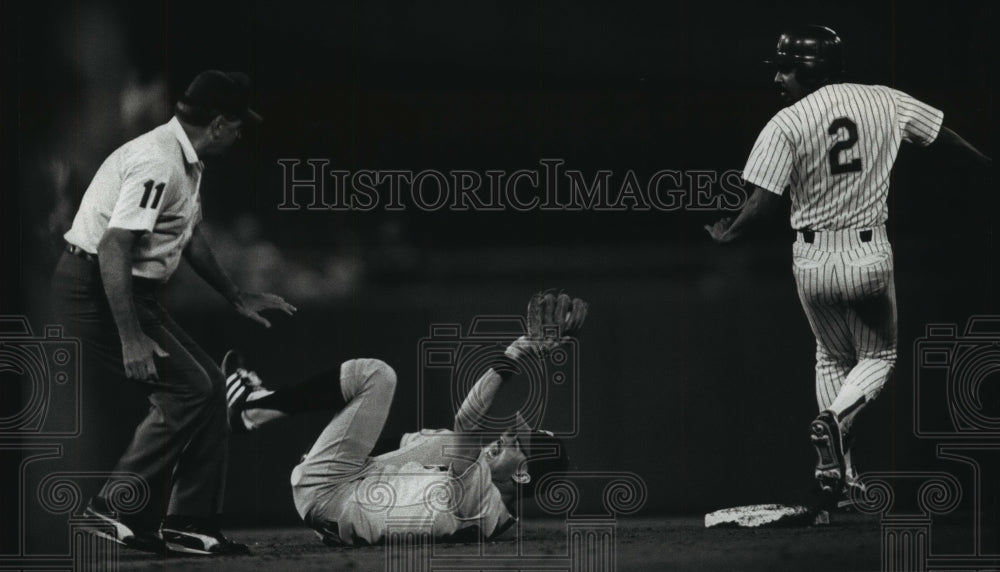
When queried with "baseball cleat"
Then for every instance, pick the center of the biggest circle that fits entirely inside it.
(240, 384)
(107, 524)
(198, 536)
(826, 438)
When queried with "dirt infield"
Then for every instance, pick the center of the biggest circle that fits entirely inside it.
(850, 542)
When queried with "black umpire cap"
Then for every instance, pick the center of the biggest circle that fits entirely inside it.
(215, 92)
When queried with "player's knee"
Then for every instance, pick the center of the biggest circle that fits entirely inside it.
(380, 375)
(879, 362)
(835, 359)
(889, 357)
(366, 375)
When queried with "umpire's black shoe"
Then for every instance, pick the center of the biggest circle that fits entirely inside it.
(193, 535)
(106, 523)
(830, 466)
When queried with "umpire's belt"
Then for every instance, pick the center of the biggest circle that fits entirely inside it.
(139, 284)
(80, 253)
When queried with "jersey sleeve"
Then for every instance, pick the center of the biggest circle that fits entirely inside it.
(145, 184)
(772, 159)
(474, 408)
(919, 122)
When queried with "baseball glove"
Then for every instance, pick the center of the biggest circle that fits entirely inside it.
(554, 314)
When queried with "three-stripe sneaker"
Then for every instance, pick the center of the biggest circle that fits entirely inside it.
(104, 522)
(240, 384)
(201, 536)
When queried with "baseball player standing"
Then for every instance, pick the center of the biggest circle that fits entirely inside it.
(834, 146)
(140, 214)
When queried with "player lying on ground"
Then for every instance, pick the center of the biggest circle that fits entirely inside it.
(834, 147)
(447, 478)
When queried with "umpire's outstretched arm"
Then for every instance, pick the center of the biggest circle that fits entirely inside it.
(199, 255)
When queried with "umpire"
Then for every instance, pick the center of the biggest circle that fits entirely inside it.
(140, 214)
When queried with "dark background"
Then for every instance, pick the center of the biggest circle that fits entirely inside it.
(696, 363)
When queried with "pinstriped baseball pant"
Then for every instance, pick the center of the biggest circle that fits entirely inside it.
(846, 288)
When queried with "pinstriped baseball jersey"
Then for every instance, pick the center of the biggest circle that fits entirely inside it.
(150, 185)
(835, 149)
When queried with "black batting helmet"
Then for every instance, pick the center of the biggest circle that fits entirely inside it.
(816, 52)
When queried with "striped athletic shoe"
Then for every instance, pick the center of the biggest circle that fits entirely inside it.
(240, 384)
(826, 438)
(101, 521)
(190, 535)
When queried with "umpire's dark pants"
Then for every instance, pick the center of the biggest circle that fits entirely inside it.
(181, 447)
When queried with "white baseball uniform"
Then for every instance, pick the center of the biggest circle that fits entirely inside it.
(835, 149)
(351, 498)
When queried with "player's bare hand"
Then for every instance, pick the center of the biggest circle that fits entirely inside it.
(251, 304)
(138, 353)
(719, 231)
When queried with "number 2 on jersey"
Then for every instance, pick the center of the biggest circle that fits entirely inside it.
(836, 167)
(149, 190)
